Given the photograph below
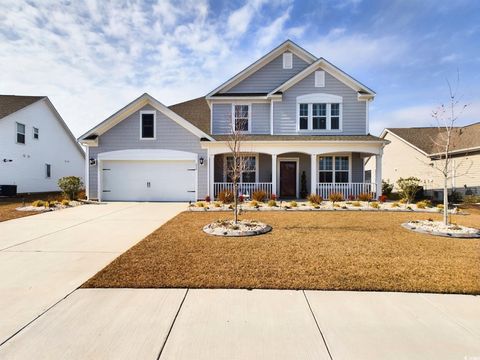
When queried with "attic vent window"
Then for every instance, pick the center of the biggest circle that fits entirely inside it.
(287, 60)
(319, 78)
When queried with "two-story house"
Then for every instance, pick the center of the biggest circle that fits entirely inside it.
(301, 117)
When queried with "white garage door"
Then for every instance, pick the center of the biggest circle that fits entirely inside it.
(153, 180)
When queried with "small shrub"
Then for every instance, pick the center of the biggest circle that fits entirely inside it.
(273, 197)
(375, 205)
(421, 205)
(259, 195)
(272, 203)
(336, 205)
(82, 194)
(38, 203)
(471, 199)
(200, 204)
(455, 197)
(403, 201)
(241, 198)
(409, 187)
(382, 198)
(207, 198)
(409, 208)
(293, 203)
(316, 206)
(226, 196)
(217, 204)
(335, 196)
(254, 203)
(65, 202)
(351, 197)
(356, 203)
(70, 186)
(315, 199)
(395, 205)
(303, 185)
(387, 187)
(440, 206)
(365, 196)
(47, 204)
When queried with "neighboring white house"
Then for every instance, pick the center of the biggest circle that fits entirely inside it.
(36, 146)
(417, 152)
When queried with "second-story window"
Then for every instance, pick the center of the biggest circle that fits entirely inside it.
(20, 133)
(36, 133)
(241, 117)
(319, 116)
(147, 125)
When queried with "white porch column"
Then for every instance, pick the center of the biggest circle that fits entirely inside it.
(313, 174)
(274, 174)
(378, 174)
(211, 172)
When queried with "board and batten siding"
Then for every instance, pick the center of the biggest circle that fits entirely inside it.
(354, 111)
(169, 135)
(222, 118)
(269, 76)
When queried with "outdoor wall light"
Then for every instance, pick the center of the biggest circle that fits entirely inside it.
(7, 160)
(201, 160)
(92, 161)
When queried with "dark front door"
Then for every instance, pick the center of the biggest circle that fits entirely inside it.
(288, 179)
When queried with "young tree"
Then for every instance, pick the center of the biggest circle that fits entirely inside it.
(446, 117)
(238, 163)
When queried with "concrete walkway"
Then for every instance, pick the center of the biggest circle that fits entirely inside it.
(259, 324)
(45, 257)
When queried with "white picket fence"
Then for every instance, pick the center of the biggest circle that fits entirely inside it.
(245, 189)
(347, 189)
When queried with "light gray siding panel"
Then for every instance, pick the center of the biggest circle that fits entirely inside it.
(354, 111)
(260, 119)
(169, 135)
(269, 76)
(357, 168)
(221, 118)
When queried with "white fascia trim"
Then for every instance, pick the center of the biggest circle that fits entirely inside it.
(263, 99)
(136, 105)
(287, 45)
(457, 151)
(147, 154)
(323, 64)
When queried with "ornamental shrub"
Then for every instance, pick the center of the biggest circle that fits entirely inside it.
(375, 205)
(259, 195)
(226, 196)
(315, 199)
(272, 203)
(335, 196)
(366, 196)
(70, 185)
(409, 187)
(387, 188)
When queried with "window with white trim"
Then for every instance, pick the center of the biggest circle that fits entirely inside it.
(20, 133)
(241, 117)
(287, 60)
(147, 125)
(249, 173)
(36, 133)
(319, 116)
(334, 169)
(48, 171)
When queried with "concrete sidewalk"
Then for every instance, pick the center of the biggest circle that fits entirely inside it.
(258, 324)
(45, 257)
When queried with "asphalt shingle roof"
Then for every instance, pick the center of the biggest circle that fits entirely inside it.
(12, 103)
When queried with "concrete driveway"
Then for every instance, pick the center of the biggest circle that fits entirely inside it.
(45, 257)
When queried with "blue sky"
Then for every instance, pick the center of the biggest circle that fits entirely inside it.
(93, 57)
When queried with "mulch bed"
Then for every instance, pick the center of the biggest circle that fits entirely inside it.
(324, 251)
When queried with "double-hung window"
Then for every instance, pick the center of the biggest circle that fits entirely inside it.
(20, 133)
(36, 133)
(147, 125)
(241, 117)
(319, 113)
(334, 169)
(249, 173)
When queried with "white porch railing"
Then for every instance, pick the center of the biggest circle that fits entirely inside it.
(243, 188)
(347, 189)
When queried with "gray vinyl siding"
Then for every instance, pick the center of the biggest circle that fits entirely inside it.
(357, 168)
(269, 76)
(222, 118)
(354, 111)
(169, 135)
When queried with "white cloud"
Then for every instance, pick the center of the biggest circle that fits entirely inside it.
(92, 57)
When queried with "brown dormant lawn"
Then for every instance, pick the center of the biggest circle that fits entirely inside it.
(305, 250)
(8, 212)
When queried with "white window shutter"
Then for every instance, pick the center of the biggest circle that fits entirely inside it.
(287, 60)
(319, 78)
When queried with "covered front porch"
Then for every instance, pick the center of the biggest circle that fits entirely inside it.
(312, 168)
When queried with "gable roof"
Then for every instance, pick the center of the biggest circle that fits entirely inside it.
(332, 70)
(136, 105)
(427, 139)
(12, 103)
(196, 111)
(287, 45)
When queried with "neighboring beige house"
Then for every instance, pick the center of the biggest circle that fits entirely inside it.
(416, 151)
